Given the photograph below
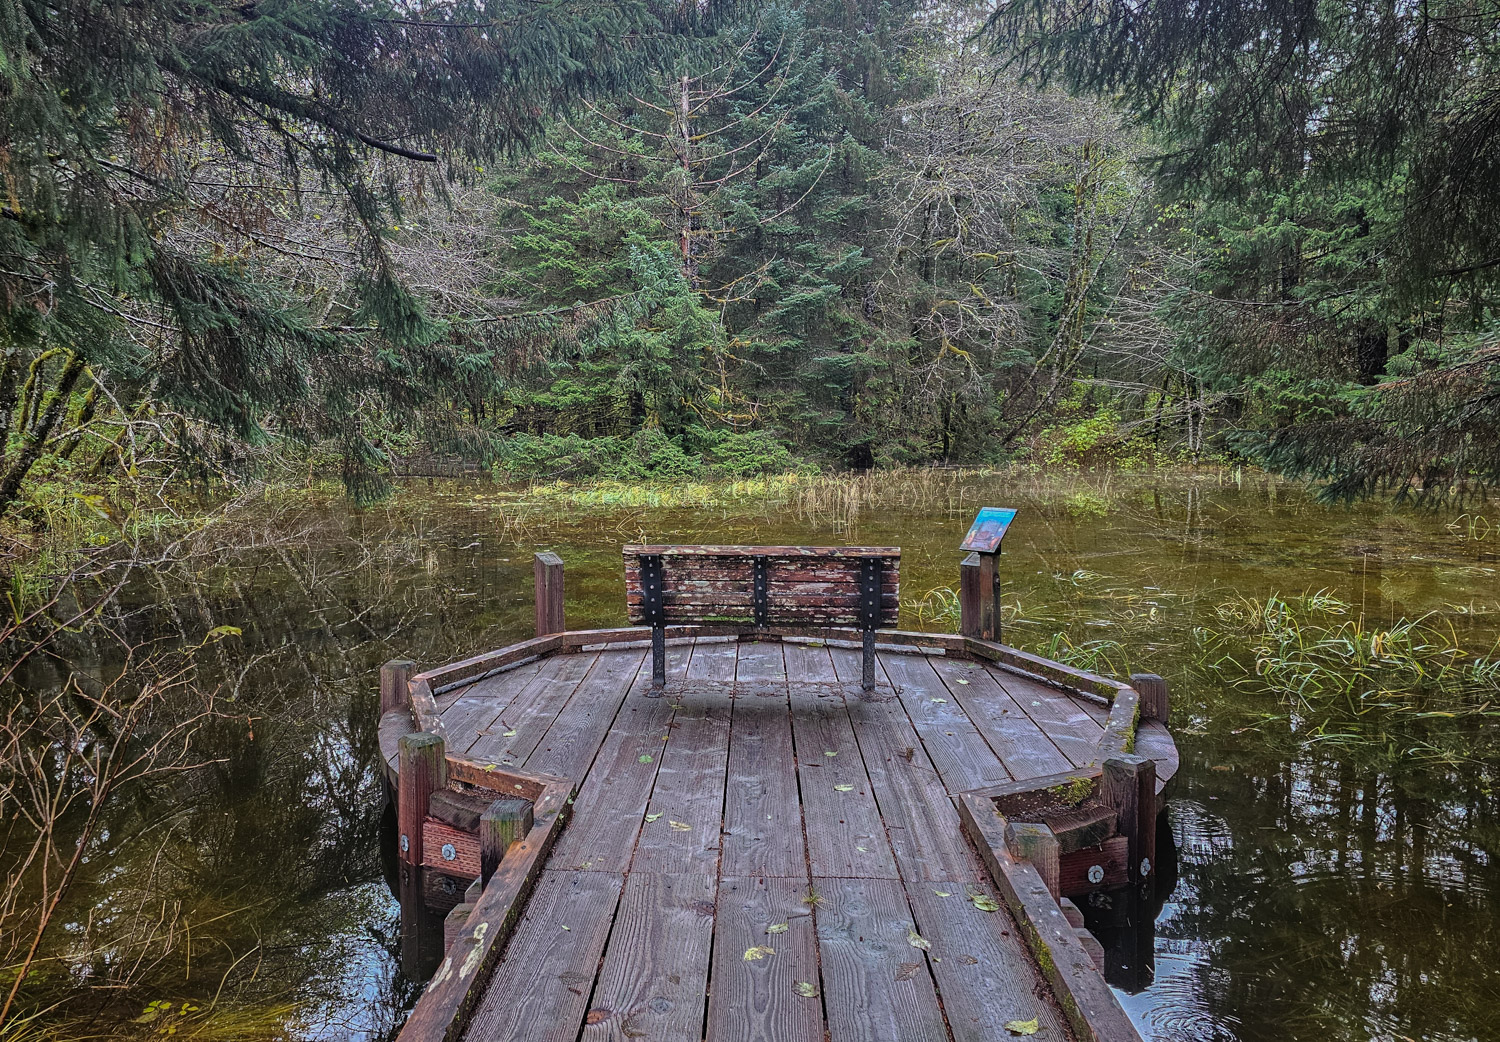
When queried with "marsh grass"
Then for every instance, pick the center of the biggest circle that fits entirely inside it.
(1311, 651)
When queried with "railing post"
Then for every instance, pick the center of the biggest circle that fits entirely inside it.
(506, 821)
(548, 568)
(968, 597)
(979, 596)
(1155, 701)
(1036, 843)
(422, 769)
(394, 693)
(1129, 786)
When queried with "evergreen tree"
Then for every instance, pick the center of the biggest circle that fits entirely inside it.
(152, 150)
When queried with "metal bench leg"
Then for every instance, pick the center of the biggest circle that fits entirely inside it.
(658, 660)
(867, 679)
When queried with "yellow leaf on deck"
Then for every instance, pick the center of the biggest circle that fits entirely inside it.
(680, 826)
(1023, 1027)
(760, 951)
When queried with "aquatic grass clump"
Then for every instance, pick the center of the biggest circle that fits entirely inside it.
(670, 494)
(1310, 650)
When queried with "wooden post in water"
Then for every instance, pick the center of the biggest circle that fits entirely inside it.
(979, 596)
(1155, 703)
(548, 568)
(1129, 785)
(394, 693)
(422, 769)
(506, 821)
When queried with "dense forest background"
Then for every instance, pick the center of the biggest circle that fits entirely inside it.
(568, 240)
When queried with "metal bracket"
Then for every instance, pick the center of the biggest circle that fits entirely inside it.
(761, 592)
(656, 616)
(651, 590)
(869, 615)
(870, 569)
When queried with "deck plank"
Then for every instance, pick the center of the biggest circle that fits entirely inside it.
(569, 745)
(533, 709)
(876, 985)
(921, 821)
(756, 1000)
(984, 971)
(689, 792)
(611, 803)
(654, 977)
(1063, 720)
(845, 834)
(467, 717)
(1023, 746)
(957, 748)
(762, 810)
(540, 990)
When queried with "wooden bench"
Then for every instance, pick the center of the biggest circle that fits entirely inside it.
(762, 586)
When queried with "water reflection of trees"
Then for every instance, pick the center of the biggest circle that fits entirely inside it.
(1346, 898)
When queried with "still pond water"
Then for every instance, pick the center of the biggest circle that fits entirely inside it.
(1337, 869)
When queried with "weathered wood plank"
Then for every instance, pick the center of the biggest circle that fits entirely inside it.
(571, 741)
(1021, 743)
(762, 812)
(1071, 729)
(920, 820)
(876, 984)
(655, 972)
(757, 1000)
(985, 973)
(689, 793)
(1154, 741)
(611, 803)
(511, 736)
(539, 992)
(955, 745)
(479, 704)
(845, 834)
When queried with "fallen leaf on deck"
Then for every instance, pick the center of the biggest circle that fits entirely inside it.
(916, 940)
(940, 701)
(943, 893)
(568, 928)
(777, 928)
(985, 903)
(807, 989)
(508, 734)
(760, 951)
(843, 787)
(653, 817)
(908, 970)
(1022, 1027)
(829, 752)
(597, 1015)
(960, 680)
(680, 826)
(647, 758)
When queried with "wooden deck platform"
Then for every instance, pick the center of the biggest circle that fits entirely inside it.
(766, 852)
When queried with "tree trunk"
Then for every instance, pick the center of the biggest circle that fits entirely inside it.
(34, 441)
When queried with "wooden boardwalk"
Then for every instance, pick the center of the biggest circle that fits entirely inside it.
(766, 852)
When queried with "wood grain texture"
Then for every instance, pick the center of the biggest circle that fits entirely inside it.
(920, 819)
(690, 782)
(876, 986)
(1072, 730)
(1020, 742)
(478, 704)
(569, 745)
(983, 968)
(654, 976)
(762, 810)
(845, 834)
(532, 710)
(611, 803)
(956, 747)
(540, 990)
(756, 1000)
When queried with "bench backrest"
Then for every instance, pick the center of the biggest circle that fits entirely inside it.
(764, 585)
